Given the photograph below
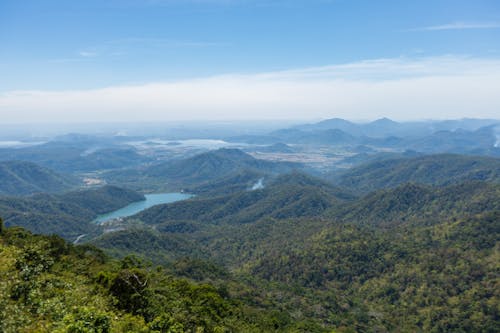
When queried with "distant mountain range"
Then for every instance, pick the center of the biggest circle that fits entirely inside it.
(472, 136)
(386, 127)
(76, 153)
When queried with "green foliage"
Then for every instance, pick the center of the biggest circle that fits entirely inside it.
(441, 169)
(47, 285)
(103, 199)
(409, 259)
(219, 171)
(129, 288)
(287, 196)
(297, 256)
(87, 320)
(23, 178)
(68, 215)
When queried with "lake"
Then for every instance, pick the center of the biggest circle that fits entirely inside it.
(136, 207)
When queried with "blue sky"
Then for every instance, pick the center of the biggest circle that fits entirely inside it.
(95, 46)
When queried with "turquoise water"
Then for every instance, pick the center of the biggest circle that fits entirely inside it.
(136, 207)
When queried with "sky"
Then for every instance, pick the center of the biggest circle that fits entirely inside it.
(175, 60)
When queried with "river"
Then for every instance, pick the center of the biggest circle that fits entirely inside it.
(136, 207)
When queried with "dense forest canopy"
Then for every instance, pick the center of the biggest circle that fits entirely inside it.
(378, 241)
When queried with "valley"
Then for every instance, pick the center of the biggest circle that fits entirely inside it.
(314, 228)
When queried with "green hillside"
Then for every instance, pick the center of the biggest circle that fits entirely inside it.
(103, 199)
(23, 178)
(295, 255)
(205, 172)
(47, 285)
(68, 215)
(293, 195)
(71, 156)
(415, 258)
(441, 169)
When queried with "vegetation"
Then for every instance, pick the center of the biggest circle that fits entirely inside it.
(414, 258)
(103, 199)
(291, 195)
(76, 154)
(48, 285)
(23, 178)
(421, 253)
(68, 215)
(441, 169)
(201, 172)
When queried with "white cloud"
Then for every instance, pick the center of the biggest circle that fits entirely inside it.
(440, 87)
(461, 26)
(87, 54)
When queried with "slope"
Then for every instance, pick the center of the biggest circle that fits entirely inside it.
(438, 169)
(23, 178)
(292, 195)
(68, 215)
(47, 285)
(201, 171)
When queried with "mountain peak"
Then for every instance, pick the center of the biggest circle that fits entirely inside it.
(384, 121)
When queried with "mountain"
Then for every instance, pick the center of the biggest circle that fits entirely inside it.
(200, 170)
(437, 169)
(421, 204)
(382, 262)
(386, 127)
(378, 128)
(458, 141)
(235, 182)
(68, 215)
(216, 164)
(103, 199)
(292, 195)
(381, 127)
(334, 123)
(22, 178)
(76, 155)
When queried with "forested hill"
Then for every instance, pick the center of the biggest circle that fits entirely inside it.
(23, 178)
(441, 169)
(215, 164)
(293, 254)
(293, 195)
(421, 204)
(416, 258)
(102, 199)
(205, 172)
(68, 215)
(47, 285)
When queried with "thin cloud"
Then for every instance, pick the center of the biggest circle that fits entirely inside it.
(157, 43)
(460, 26)
(124, 46)
(439, 87)
(87, 54)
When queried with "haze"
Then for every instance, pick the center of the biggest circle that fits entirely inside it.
(143, 61)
